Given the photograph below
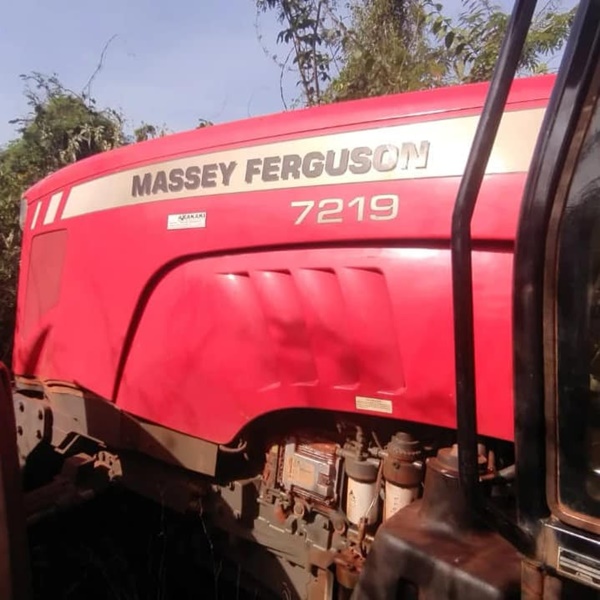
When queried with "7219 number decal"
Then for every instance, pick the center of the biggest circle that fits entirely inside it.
(383, 207)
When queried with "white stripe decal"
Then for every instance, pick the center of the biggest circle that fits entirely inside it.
(38, 206)
(260, 167)
(52, 208)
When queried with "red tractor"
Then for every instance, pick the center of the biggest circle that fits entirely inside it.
(361, 340)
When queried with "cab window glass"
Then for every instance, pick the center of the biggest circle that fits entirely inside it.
(578, 333)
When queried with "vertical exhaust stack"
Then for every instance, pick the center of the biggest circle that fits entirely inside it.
(462, 273)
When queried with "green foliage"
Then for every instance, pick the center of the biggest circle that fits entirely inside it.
(147, 131)
(10, 248)
(314, 32)
(401, 45)
(473, 39)
(388, 50)
(60, 128)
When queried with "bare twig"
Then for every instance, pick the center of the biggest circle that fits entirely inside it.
(281, 72)
(87, 88)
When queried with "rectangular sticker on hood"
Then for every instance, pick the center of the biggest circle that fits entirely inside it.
(195, 220)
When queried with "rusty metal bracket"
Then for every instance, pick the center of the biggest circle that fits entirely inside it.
(33, 419)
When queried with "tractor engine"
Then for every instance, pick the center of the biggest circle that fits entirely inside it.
(335, 480)
(318, 502)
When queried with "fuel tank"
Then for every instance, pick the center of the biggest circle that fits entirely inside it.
(298, 260)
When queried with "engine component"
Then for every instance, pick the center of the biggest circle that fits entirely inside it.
(441, 481)
(311, 470)
(402, 476)
(348, 566)
(362, 497)
(420, 542)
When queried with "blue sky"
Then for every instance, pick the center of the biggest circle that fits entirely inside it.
(173, 62)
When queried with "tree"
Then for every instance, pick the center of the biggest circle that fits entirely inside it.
(400, 45)
(60, 128)
(474, 39)
(147, 131)
(314, 31)
(389, 49)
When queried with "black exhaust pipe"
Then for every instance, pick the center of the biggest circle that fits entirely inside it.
(462, 275)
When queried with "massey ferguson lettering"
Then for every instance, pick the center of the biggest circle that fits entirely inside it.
(345, 163)
(177, 180)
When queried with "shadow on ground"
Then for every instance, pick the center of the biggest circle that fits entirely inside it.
(120, 547)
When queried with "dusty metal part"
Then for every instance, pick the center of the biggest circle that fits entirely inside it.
(436, 545)
(311, 469)
(284, 579)
(399, 464)
(320, 558)
(362, 490)
(362, 532)
(29, 384)
(572, 557)
(444, 503)
(554, 589)
(170, 446)
(319, 532)
(66, 411)
(178, 489)
(33, 420)
(538, 584)
(15, 582)
(474, 565)
(321, 586)
(362, 469)
(81, 478)
(77, 411)
(532, 581)
(447, 459)
(281, 539)
(402, 452)
(308, 543)
(348, 566)
(110, 463)
(299, 509)
(270, 471)
(338, 520)
(240, 497)
(280, 513)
